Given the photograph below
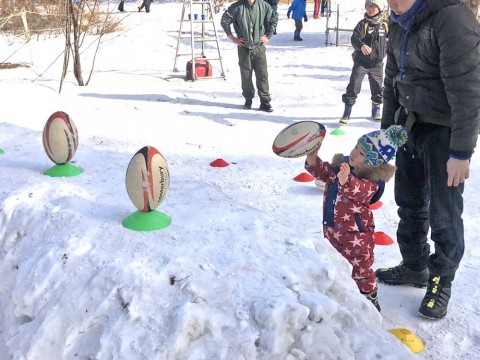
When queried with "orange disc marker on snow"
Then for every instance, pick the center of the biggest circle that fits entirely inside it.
(219, 163)
(376, 205)
(382, 239)
(304, 177)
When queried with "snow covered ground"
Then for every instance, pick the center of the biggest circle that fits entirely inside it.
(243, 271)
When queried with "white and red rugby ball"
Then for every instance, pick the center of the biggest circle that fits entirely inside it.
(298, 139)
(147, 179)
(60, 138)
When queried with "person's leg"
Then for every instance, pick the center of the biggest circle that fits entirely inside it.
(275, 10)
(246, 72)
(358, 250)
(315, 9)
(259, 64)
(446, 207)
(446, 202)
(298, 29)
(412, 198)
(147, 5)
(121, 6)
(355, 84)
(375, 78)
(324, 5)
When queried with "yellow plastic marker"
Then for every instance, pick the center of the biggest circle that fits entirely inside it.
(412, 341)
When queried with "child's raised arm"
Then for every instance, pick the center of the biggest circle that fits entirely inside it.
(312, 156)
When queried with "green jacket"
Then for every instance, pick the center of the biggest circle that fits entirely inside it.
(250, 22)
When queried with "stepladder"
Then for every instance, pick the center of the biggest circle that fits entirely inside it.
(198, 42)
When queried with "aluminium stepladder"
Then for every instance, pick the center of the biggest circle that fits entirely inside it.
(199, 33)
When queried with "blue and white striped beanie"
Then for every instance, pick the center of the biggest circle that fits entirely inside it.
(381, 145)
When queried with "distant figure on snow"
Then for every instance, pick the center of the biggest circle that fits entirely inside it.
(254, 23)
(145, 4)
(298, 8)
(274, 5)
(121, 5)
(322, 6)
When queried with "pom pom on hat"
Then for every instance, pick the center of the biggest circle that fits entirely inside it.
(380, 146)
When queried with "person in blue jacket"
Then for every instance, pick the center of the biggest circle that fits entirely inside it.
(298, 8)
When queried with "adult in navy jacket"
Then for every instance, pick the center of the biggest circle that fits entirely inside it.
(432, 87)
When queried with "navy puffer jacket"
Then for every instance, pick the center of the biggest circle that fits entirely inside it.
(434, 71)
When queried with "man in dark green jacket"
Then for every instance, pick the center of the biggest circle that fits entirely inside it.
(432, 87)
(254, 22)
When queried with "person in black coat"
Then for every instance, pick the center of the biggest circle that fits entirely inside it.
(432, 88)
(146, 5)
(369, 40)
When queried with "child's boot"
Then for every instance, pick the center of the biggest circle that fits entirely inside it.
(376, 113)
(373, 297)
(346, 115)
(296, 36)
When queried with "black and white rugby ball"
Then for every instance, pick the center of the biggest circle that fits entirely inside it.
(147, 179)
(298, 139)
(60, 138)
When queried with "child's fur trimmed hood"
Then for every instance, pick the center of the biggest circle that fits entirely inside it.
(369, 172)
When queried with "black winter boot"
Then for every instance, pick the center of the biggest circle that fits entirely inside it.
(373, 297)
(266, 107)
(346, 115)
(402, 275)
(376, 112)
(434, 304)
(248, 104)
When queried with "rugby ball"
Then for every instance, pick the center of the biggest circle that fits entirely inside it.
(60, 138)
(298, 139)
(147, 179)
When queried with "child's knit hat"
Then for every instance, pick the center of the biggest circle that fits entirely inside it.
(379, 3)
(381, 145)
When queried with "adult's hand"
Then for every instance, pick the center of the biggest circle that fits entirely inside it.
(264, 40)
(458, 171)
(237, 41)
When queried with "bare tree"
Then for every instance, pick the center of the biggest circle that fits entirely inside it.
(82, 18)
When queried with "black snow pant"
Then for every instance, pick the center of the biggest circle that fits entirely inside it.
(120, 6)
(426, 202)
(323, 6)
(298, 28)
(146, 5)
(254, 60)
(375, 77)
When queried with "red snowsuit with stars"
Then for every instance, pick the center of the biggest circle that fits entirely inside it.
(347, 219)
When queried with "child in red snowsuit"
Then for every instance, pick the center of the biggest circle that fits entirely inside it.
(352, 183)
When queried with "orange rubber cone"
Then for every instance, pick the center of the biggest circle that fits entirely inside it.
(219, 163)
(304, 177)
(376, 205)
(382, 239)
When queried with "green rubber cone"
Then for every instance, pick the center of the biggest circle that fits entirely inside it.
(146, 221)
(2, 152)
(63, 170)
(337, 132)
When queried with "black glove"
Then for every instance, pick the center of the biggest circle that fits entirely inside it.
(288, 14)
(305, 18)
